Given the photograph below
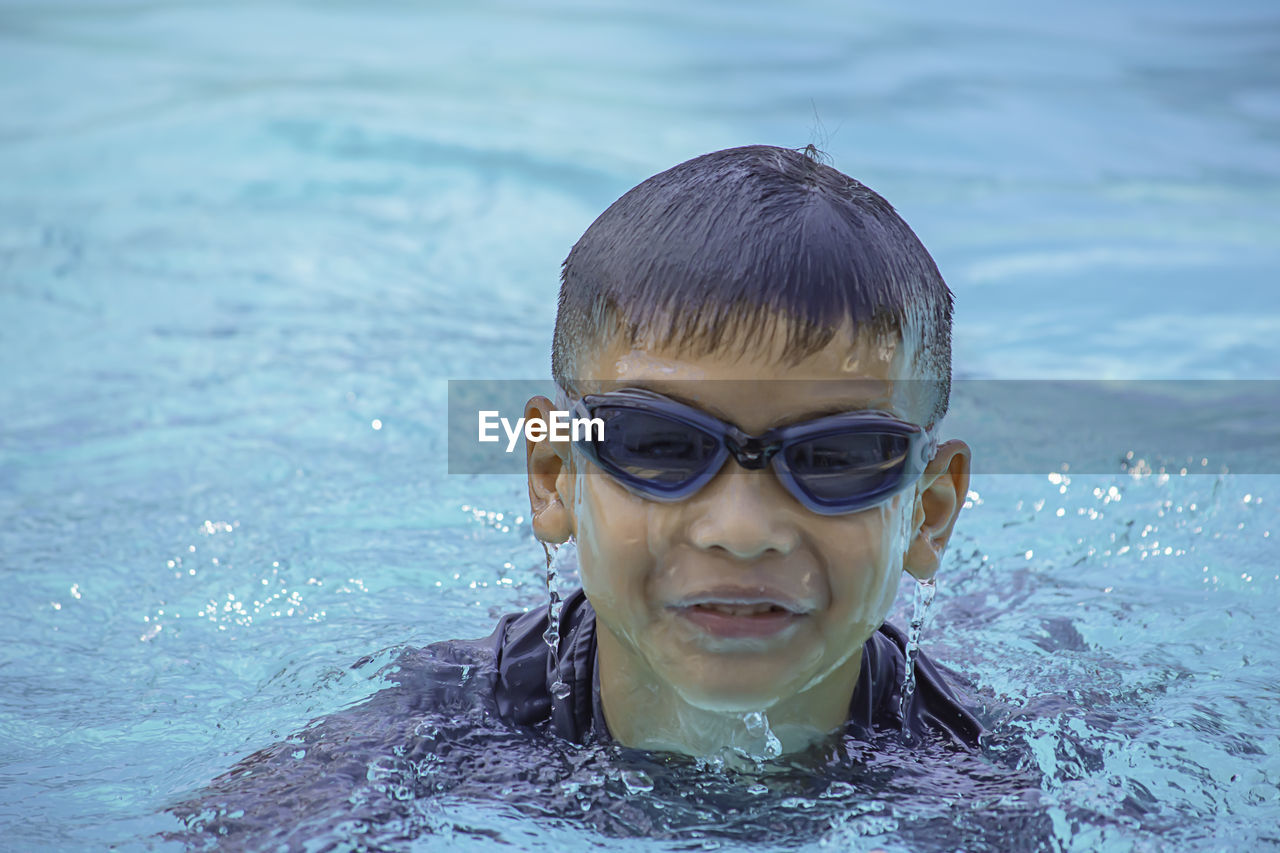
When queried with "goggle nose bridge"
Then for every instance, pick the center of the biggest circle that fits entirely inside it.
(752, 453)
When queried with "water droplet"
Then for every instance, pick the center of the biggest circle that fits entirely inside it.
(772, 746)
(560, 690)
(837, 790)
(636, 781)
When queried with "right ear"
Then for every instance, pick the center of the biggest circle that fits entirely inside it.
(548, 464)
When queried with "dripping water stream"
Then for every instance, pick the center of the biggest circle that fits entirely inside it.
(923, 597)
(557, 556)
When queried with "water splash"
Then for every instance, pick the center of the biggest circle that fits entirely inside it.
(757, 724)
(923, 597)
(558, 557)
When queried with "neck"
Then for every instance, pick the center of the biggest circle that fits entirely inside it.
(646, 712)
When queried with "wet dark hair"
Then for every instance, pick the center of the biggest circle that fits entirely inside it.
(723, 247)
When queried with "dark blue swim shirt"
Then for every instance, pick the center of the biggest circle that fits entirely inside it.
(477, 720)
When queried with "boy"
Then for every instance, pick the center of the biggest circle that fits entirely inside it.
(753, 288)
(768, 346)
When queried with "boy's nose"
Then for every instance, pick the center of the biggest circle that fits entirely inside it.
(743, 513)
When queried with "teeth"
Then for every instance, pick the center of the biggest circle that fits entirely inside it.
(739, 609)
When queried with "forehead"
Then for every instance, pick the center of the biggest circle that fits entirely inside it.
(750, 383)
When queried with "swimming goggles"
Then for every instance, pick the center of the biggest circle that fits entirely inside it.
(664, 450)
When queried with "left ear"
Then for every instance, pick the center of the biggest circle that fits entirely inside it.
(942, 492)
(547, 462)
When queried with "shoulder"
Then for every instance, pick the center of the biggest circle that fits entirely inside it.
(509, 672)
(527, 666)
(933, 707)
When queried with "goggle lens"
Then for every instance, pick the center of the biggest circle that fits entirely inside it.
(653, 448)
(837, 468)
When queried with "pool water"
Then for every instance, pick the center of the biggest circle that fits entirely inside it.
(244, 246)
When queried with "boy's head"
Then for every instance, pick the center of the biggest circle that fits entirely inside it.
(741, 244)
(753, 292)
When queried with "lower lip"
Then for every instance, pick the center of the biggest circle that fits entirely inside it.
(721, 624)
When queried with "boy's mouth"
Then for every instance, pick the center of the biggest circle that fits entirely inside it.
(742, 609)
(740, 616)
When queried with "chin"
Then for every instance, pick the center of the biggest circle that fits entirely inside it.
(736, 698)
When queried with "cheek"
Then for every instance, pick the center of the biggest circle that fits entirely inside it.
(613, 554)
(864, 586)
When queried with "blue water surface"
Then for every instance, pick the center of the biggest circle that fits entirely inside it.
(243, 245)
